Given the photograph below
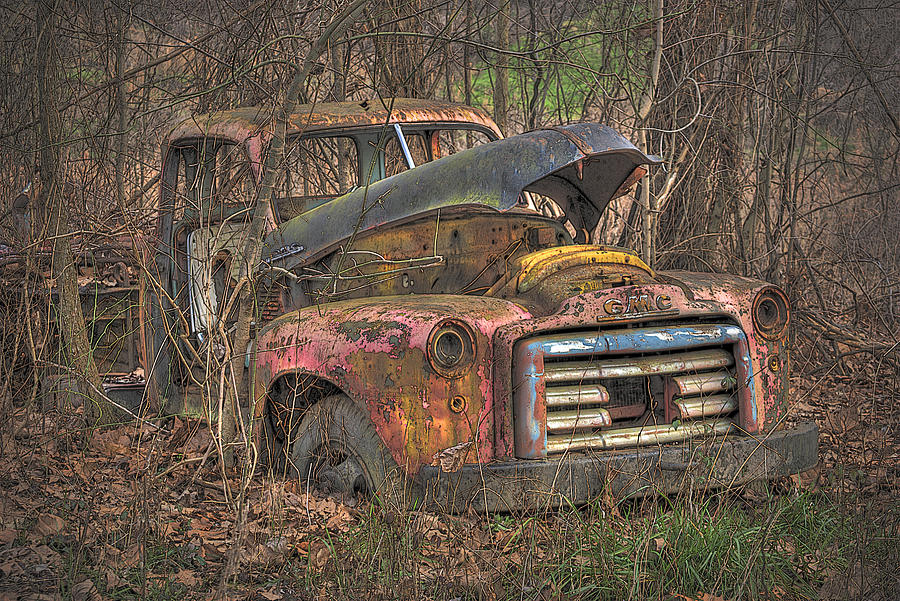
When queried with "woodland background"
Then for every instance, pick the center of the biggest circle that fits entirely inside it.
(778, 123)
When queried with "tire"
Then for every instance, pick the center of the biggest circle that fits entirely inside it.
(336, 447)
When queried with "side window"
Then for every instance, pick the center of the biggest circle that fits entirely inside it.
(212, 181)
(184, 184)
(315, 169)
(450, 141)
(232, 183)
(395, 161)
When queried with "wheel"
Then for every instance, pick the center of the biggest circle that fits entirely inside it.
(336, 448)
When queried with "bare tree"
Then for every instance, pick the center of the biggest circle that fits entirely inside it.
(76, 347)
(263, 212)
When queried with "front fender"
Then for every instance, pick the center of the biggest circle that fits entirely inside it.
(375, 351)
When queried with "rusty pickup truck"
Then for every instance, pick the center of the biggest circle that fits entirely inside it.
(432, 319)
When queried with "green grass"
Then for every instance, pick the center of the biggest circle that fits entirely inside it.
(717, 544)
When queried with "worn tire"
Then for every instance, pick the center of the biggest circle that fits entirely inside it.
(336, 432)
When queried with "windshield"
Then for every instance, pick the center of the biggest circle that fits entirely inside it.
(320, 168)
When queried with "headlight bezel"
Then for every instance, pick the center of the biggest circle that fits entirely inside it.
(451, 348)
(771, 313)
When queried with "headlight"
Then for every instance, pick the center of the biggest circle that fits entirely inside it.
(771, 313)
(451, 348)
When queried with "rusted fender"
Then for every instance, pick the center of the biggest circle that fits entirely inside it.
(374, 350)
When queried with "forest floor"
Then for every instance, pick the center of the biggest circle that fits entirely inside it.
(138, 514)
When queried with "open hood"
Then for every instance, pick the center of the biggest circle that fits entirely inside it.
(581, 167)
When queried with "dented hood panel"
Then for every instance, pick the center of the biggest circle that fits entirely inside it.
(581, 166)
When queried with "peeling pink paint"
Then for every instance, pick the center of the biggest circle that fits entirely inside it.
(367, 337)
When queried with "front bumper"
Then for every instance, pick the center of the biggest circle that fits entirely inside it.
(577, 478)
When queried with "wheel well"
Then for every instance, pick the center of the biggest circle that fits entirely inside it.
(290, 395)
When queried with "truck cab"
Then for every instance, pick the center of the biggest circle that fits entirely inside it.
(210, 180)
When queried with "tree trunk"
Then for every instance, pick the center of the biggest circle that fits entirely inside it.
(261, 213)
(648, 200)
(75, 345)
(121, 108)
(731, 153)
(501, 72)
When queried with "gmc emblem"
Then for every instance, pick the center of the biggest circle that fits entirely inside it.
(638, 303)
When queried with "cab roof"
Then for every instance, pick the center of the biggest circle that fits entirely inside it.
(242, 123)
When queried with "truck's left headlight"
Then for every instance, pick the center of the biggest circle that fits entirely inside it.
(451, 348)
(771, 313)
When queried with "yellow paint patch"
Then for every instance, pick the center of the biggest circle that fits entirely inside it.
(538, 265)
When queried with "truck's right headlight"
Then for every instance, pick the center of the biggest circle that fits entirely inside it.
(771, 313)
(451, 348)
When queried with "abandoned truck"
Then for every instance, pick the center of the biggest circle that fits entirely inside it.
(431, 315)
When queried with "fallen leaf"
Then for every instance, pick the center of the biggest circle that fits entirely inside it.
(326, 506)
(10, 568)
(187, 578)
(49, 524)
(109, 553)
(335, 521)
(132, 555)
(270, 595)
(805, 407)
(452, 458)
(170, 528)
(209, 552)
(85, 591)
(113, 581)
(319, 554)
(46, 554)
(7, 536)
(84, 470)
(810, 479)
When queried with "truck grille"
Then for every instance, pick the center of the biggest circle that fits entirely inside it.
(622, 388)
(269, 304)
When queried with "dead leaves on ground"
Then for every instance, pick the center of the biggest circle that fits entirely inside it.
(137, 492)
(27, 563)
(859, 437)
(49, 524)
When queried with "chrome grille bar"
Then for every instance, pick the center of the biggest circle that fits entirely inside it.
(628, 387)
(639, 436)
(705, 383)
(700, 407)
(625, 367)
(561, 396)
(578, 419)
